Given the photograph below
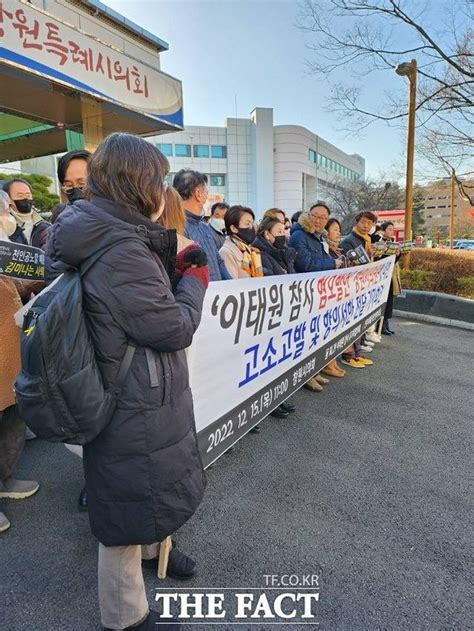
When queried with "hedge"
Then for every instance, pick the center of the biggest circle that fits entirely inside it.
(447, 271)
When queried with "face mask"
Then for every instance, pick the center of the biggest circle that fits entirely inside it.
(7, 225)
(73, 194)
(246, 234)
(217, 224)
(280, 242)
(24, 206)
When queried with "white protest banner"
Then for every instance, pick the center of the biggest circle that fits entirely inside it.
(261, 339)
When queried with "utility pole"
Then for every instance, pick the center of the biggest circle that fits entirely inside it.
(409, 69)
(451, 215)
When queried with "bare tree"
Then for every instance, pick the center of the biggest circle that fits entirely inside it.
(347, 201)
(367, 36)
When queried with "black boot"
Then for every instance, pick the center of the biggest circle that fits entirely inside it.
(387, 325)
(180, 566)
(82, 502)
(288, 406)
(385, 329)
(151, 624)
(280, 412)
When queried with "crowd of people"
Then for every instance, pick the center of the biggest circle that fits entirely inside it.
(143, 472)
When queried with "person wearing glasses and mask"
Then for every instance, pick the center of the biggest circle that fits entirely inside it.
(31, 228)
(72, 174)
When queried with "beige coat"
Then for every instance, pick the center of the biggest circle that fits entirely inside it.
(233, 257)
(396, 280)
(10, 302)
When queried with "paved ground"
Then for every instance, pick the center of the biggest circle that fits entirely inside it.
(367, 485)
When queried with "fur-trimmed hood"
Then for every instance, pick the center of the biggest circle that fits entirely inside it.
(305, 222)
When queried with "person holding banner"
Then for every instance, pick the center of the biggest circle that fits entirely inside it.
(143, 472)
(277, 259)
(388, 233)
(192, 186)
(312, 255)
(12, 428)
(240, 257)
(307, 238)
(31, 228)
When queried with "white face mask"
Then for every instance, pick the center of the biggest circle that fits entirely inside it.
(217, 224)
(7, 225)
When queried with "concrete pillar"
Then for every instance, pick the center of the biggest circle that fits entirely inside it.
(91, 123)
(262, 118)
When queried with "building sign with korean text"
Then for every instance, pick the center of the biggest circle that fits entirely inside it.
(261, 339)
(36, 41)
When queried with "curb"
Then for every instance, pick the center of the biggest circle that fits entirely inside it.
(423, 317)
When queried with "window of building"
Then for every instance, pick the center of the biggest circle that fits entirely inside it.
(182, 151)
(218, 151)
(217, 180)
(169, 178)
(201, 151)
(166, 148)
(312, 155)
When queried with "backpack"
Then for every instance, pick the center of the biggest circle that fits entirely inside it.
(60, 391)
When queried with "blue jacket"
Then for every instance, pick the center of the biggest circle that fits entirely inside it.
(197, 230)
(310, 253)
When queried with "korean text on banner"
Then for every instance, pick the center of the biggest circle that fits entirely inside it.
(261, 339)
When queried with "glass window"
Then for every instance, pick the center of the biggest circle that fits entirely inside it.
(182, 151)
(201, 151)
(218, 151)
(217, 180)
(166, 148)
(311, 155)
(169, 178)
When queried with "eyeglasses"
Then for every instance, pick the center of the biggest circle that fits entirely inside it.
(319, 217)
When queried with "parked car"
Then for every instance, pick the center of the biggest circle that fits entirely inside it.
(464, 244)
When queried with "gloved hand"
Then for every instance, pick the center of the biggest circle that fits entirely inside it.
(201, 273)
(193, 255)
(192, 261)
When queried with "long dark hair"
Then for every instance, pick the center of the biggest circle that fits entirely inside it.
(130, 171)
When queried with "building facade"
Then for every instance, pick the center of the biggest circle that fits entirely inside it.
(251, 161)
(437, 208)
(254, 163)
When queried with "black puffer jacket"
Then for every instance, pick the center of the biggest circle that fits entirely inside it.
(144, 475)
(274, 260)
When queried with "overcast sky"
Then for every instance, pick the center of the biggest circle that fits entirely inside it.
(251, 51)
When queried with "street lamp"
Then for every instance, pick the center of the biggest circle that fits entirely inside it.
(409, 69)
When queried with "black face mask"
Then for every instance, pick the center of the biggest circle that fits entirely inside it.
(280, 242)
(24, 206)
(73, 194)
(247, 235)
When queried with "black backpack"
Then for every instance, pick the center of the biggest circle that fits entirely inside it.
(60, 391)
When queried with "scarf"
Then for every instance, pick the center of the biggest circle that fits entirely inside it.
(251, 259)
(366, 238)
(333, 246)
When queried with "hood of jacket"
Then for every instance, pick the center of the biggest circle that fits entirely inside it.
(304, 223)
(85, 227)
